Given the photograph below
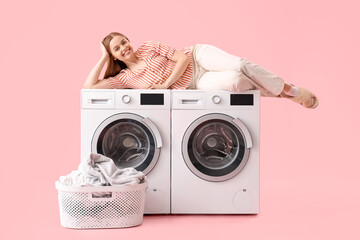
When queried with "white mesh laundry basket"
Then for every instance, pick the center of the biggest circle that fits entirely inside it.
(101, 207)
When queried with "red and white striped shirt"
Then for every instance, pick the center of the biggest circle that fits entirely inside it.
(157, 57)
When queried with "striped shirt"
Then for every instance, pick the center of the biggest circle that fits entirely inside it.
(157, 57)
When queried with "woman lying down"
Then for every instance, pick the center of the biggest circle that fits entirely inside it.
(155, 65)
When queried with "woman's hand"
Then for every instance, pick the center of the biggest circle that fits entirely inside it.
(103, 50)
(181, 62)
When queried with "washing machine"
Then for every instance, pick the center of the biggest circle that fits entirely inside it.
(215, 152)
(132, 127)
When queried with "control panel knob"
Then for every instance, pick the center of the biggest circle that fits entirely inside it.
(216, 99)
(126, 99)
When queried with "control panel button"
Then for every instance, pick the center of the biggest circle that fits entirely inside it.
(216, 99)
(126, 99)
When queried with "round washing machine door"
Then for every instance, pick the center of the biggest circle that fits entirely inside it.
(129, 140)
(216, 147)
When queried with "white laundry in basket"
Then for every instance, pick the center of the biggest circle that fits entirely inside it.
(99, 170)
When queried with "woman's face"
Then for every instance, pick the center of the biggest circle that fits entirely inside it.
(121, 49)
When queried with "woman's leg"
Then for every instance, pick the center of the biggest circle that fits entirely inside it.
(213, 59)
(220, 70)
(233, 81)
(291, 90)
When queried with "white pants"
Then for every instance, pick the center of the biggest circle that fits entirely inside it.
(215, 69)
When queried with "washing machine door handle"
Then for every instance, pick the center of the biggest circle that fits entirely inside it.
(154, 130)
(245, 131)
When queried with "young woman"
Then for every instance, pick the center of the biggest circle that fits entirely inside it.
(158, 66)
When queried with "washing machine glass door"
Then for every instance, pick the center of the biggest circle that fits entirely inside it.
(216, 147)
(129, 140)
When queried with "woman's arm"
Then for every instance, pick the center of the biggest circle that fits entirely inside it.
(182, 61)
(93, 80)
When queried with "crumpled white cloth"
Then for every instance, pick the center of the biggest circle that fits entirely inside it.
(99, 170)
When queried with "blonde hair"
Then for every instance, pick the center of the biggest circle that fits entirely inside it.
(114, 66)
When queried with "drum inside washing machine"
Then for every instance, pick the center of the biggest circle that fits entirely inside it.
(128, 141)
(215, 147)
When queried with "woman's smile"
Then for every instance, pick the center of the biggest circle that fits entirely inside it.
(126, 52)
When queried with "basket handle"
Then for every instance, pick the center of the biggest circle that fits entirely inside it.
(101, 196)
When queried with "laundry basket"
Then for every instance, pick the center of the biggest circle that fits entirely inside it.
(101, 207)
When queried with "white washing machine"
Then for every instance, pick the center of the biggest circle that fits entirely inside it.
(215, 152)
(132, 127)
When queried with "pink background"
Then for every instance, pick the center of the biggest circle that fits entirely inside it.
(309, 158)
